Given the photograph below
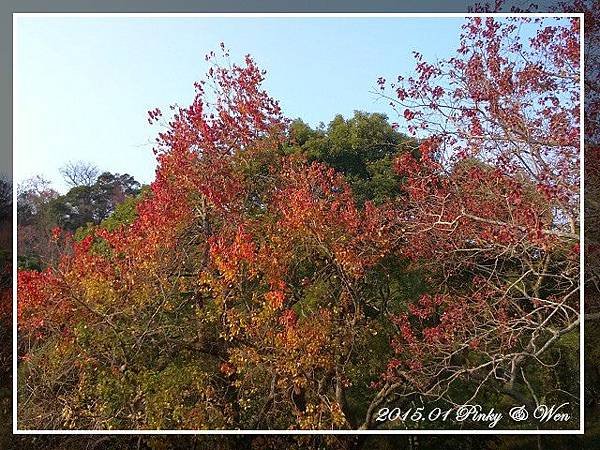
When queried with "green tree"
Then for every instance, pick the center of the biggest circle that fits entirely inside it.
(362, 148)
(40, 209)
(85, 204)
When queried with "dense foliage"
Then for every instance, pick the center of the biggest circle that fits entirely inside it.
(277, 276)
(41, 210)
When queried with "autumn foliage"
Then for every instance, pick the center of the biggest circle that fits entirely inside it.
(252, 290)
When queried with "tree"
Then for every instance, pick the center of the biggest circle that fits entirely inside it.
(35, 223)
(109, 190)
(5, 199)
(494, 205)
(362, 148)
(79, 173)
(5, 299)
(40, 209)
(93, 203)
(227, 283)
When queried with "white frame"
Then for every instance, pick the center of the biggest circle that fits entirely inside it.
(16, 430)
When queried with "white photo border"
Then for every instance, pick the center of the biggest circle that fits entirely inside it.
(340, 15)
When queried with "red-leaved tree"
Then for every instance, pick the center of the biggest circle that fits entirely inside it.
(492, 210)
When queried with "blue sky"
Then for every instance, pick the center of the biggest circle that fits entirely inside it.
(84, 85)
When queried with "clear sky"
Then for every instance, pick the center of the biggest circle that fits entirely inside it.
(84, 85)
